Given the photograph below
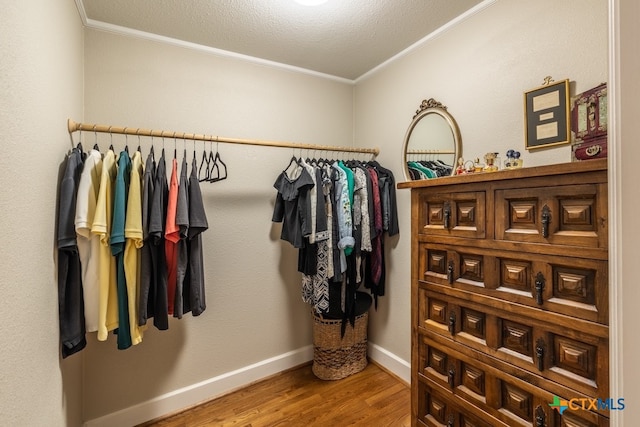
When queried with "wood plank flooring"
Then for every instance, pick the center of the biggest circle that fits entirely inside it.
(372, 398)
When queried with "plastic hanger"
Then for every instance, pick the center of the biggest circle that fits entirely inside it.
(217, 159)
(293, 162)
(205, 158)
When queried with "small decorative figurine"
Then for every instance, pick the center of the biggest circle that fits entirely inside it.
(460, 169)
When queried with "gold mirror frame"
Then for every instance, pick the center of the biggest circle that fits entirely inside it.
(427, 107)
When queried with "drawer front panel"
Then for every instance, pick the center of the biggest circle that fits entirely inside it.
(509, 396)
(453, 214)
(564, 215)
(575, 287)
(551, 351)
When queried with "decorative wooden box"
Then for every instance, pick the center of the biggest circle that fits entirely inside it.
(589, 124)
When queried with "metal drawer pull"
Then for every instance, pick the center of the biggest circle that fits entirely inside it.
(450, 269)
(452, 323)
(540, 417)
(451, 421)
(540, 354)
(546, 219)
(447, 215)
(452, 377)
(539, 285)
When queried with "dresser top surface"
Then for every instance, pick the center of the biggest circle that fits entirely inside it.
(527, 172)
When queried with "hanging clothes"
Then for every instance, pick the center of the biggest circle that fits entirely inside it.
(70, 296)
(182, 222)
(108, 308)
(116, 207)
(172, 237)
(134, 241)
(147, 301)
(158, 212)
(293, 206)
(89, 243)
(359, 210)
(117, 243)
(194, 298)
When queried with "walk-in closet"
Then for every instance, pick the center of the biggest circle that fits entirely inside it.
(123, 77)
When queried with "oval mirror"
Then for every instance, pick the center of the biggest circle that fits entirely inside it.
(432, 143)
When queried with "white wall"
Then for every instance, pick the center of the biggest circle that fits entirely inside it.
(479, 69)
(254, 308)
(40, 86)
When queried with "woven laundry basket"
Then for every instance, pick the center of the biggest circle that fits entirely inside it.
(335, 356)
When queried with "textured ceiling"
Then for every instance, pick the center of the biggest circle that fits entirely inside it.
(342, 38)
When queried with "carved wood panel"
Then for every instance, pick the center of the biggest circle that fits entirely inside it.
(453, 214)
(517, 337)
(516, 401)
(575, 356)
(561, 215)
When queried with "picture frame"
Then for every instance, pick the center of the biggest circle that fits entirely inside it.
(547, 115)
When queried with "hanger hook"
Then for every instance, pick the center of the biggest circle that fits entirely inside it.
(110, 136)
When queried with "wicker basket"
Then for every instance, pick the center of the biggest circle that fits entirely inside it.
(336, 357)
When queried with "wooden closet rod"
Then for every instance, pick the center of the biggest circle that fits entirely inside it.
(88, 127)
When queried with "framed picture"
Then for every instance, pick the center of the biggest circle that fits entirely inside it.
(546, 115)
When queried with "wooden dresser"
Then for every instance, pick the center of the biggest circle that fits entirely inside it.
(509, 296)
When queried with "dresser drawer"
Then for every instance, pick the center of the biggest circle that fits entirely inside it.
(575, 287)
(568, 215)
(569, 354)
(437, 409)
(503, 397)
(455, 214)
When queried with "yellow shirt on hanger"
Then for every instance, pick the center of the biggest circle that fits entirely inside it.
(108, 299)
(134, 241)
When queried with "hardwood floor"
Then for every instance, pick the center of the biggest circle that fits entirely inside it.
(372, 398)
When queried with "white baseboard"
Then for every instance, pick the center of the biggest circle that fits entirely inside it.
(203, 391)
(399, 367)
